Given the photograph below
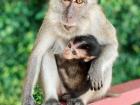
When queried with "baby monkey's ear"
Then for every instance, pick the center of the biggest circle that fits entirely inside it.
(89, 58)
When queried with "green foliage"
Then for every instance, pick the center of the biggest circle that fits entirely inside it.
(19, 23)
(38, 95)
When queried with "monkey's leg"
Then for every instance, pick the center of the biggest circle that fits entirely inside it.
(92, 95)
(50, 79)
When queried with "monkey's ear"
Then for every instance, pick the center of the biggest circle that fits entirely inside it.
(87, 59)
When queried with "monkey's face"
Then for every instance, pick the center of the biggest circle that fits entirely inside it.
(73, 13)
(70, 16)
(73, 51)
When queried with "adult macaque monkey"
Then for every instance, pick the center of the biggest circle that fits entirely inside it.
(66, 19)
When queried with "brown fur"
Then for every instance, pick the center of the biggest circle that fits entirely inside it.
(73, 74)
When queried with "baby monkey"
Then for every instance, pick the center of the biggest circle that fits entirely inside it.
(74, 63)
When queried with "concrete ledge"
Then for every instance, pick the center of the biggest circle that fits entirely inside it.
(129, 94)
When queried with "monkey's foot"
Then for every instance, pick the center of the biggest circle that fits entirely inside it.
(65, 97)
(75, 101)
(52, 102)
(29, 101)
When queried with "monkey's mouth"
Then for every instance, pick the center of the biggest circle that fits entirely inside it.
(69, 28)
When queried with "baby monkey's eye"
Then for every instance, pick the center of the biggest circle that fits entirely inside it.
(79, 1)
(69, 45)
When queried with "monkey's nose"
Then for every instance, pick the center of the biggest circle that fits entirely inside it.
(74, 52)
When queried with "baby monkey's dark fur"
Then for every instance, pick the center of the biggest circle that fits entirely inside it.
(74, 72)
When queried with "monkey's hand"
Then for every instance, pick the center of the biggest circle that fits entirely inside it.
(96, 79)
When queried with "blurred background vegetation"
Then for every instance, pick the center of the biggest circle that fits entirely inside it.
(20, 21)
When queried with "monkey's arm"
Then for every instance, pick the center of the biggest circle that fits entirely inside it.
(98, 68)
(108, 54)
(43, 43)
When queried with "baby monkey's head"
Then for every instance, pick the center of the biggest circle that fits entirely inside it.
(85, 48)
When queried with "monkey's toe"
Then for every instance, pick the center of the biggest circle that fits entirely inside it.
(75, 102)
(52, 102)
(29, 101)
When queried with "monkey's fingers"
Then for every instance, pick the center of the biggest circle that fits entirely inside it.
(89, 81)
(95, 85)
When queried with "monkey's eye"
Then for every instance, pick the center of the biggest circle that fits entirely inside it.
(69, 45)
(79, 1)
(67, 0)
